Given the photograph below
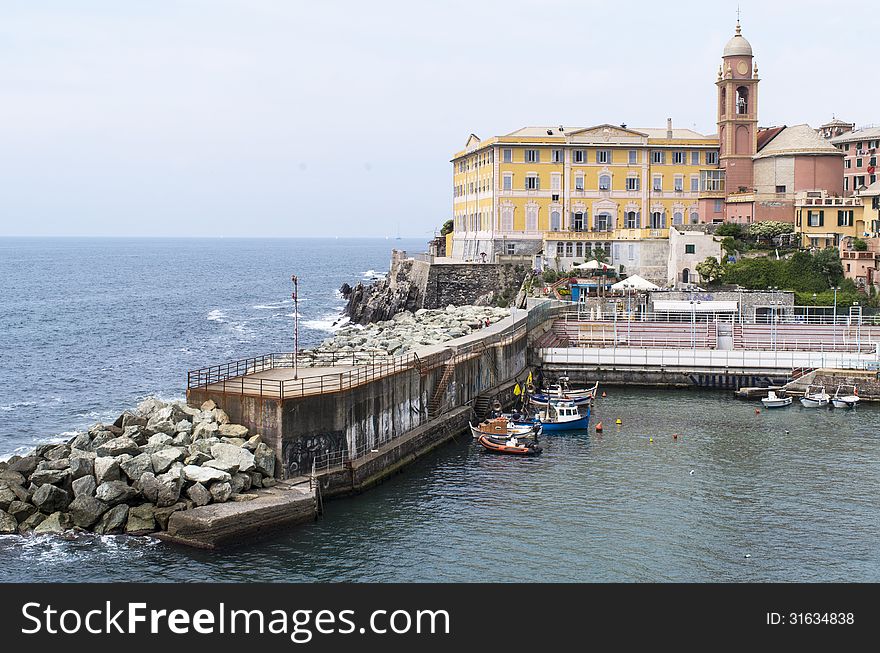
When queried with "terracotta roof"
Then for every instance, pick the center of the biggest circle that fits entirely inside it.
(767, 135)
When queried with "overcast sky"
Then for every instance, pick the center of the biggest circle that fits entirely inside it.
(291, 118)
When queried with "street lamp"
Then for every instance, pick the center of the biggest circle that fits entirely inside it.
(694, 304)
(836, 288)
(814, 303)
(295, 297)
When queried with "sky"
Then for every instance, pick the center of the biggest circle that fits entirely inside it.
(322, 118)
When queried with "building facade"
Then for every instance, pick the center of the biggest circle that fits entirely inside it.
(860, 150)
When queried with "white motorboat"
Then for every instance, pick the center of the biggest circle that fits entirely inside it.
(844, 399)
(815, 397)
(772, 400)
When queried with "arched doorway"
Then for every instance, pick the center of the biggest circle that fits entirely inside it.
(685, 276)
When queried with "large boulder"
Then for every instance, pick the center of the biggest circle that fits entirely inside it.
(14, 478)
(204, 475)
(208, 406)
(220, 492)
(199, 494)
(117, 447)
(170, 484)
(264, 459)
(131, 419)
(227, 456)
(113, 520)
(8, 523)
(54, 524)
(86, 510)
(29, 524)
(205, 430)
(107, 469)
(25, 466)
(141, 520)
(148, 486)
(57, 452)
(162, 460)
(233, 431)
(163, 514)
(82, 442)
(80, 467)
(8, 494)
(183, 426)
(21, 510)
(135, 467)
(149, 406)
(115, 492)
(49, 498)
(85, 486)
(50, 477)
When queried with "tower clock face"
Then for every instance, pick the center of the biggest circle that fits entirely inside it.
(742, 67)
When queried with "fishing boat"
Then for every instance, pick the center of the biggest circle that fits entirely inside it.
(772, 400)
(503, 427)
(541, 400)
(511, 446)
(563, 390)
(815, 397)
(562, 416)
(844, 399)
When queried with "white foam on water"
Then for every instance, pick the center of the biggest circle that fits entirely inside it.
(331, 323)
(17, 404)
(217, 315)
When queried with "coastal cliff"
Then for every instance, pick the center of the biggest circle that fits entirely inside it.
(413, 284)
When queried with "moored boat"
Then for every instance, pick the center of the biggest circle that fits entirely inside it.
(510, 446)
(772, 400)
(562, 416)
(815, 397)
(502, 427)
(844, 399)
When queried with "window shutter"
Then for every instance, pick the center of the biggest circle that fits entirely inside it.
(821, 218)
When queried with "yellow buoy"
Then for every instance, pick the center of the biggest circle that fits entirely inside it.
(619, 421)
(650, 439)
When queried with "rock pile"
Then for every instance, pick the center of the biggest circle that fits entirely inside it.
(130, 476)
(403, 333)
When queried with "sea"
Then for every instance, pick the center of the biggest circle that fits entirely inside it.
(691, 486)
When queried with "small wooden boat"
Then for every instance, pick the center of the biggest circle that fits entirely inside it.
(502, 427)
(772, 400)
(563, 390)
(844, 399)
(815, 397)
(510, 446)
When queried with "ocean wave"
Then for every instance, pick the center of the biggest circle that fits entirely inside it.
(217, 316)
(17, 404)
(331, 322)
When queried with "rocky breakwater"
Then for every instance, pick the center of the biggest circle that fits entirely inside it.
(403, 333)
(132, 475)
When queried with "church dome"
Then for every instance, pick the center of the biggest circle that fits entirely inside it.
(737, 46)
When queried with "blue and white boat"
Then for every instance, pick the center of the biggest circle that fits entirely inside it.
(561, 416)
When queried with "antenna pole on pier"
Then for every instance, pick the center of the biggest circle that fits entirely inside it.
(295, 326)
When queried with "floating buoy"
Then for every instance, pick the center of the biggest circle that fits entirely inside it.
(618, 421)
(675, 436)
(786, 431)
(757, 411)
(599, 427)
(604, 395)
(748, 555)
(691, 472)
(650, 439)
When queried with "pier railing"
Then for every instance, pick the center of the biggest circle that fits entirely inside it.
(357, 368)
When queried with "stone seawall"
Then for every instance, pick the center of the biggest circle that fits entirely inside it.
(412, 284)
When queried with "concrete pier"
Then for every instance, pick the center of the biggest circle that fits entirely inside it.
(222, 524)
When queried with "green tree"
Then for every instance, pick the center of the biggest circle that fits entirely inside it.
(859, 245)
(446, 228)
(710, 270)
(731, 229)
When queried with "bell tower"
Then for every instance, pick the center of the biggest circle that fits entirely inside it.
(737, 112)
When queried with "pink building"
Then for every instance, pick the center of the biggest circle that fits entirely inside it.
(860, 149)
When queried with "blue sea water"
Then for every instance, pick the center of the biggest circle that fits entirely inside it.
(90, 326)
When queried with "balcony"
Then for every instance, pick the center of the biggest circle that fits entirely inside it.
(614, 234)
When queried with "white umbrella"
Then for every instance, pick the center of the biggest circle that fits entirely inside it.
(589, 265)
(636, 282)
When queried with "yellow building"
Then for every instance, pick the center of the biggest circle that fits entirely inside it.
(823, 220)
(559, 193)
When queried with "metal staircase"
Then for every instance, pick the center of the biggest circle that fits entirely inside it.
(440, 393)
